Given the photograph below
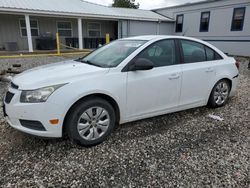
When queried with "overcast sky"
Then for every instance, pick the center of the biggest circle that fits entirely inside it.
(148, 4)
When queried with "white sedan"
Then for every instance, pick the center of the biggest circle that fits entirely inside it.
(126, 80)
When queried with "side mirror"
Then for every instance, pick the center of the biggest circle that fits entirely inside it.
(141, 64)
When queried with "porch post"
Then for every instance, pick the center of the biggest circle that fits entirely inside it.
(158, 27)
(80, 39)
(28, 30)
(119, 29)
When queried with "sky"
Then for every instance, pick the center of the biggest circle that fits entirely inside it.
(148, 4)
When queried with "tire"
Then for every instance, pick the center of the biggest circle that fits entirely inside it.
(90, 122)
(220, 94)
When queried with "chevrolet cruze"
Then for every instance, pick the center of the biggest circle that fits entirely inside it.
(126, 80)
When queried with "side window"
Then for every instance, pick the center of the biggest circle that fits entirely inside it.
(211, 54)
(193, 51)
(217, 56)
(161, 53)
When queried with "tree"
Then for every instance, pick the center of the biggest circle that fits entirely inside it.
(125, 4)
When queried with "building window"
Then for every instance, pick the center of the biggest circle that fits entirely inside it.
(179, 23)
(94, 29)
(64, 29)
(238, 19)
(204, 25)
(33, 26)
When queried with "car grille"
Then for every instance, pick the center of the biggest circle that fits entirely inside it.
(9, 97)
(14, 86)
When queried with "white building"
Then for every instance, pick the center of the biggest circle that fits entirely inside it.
(224, 23)
(79, 23)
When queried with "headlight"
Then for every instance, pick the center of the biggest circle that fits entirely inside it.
(38, 95)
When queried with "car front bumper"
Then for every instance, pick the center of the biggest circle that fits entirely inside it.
(15, 112)
(235, 83)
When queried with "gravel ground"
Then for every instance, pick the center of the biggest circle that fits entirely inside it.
(184, 149)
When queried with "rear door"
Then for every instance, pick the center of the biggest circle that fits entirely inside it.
(198, 72)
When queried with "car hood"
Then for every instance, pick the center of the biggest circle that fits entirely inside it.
(56, 73)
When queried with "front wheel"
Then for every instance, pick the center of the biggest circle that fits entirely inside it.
(220, 94)
(90, 122)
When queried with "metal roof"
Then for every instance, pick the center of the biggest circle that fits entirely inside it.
(77, 8)
(189, 4)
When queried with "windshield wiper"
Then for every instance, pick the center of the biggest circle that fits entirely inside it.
(91, 63)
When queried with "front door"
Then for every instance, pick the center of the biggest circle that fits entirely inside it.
(154, 91)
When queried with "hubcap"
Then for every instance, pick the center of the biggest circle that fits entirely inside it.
(93, 123)
(221, 93)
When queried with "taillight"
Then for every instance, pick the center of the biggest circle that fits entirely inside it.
(237, 64)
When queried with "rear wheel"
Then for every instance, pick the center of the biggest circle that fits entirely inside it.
(220, 94)
(90, 122)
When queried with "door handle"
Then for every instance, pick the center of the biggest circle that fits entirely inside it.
(174, 76)
(209, 70)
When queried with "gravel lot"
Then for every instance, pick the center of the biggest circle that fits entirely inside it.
(184, 149)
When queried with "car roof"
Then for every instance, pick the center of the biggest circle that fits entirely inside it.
(158, 37)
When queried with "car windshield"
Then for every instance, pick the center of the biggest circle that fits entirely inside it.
(113, 54)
